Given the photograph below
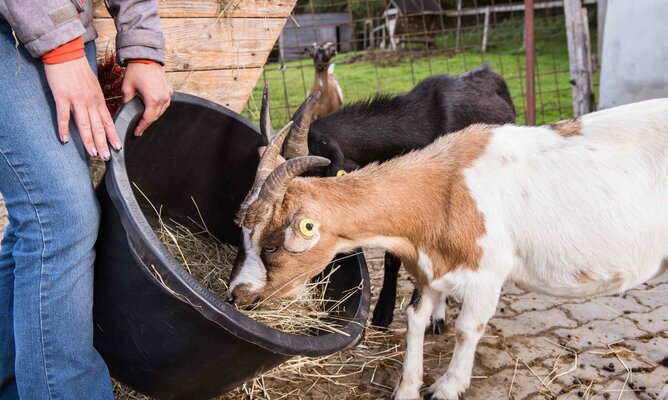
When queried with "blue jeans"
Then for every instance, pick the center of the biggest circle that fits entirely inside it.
(46, 260)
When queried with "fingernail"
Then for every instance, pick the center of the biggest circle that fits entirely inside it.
(139, 133)
(93, 151)
(65, 139)
(106, 155)
(117, 146)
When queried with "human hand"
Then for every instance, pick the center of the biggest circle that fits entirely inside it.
(149, 81)
(76, 90)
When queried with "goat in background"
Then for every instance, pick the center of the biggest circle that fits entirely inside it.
(331, 95)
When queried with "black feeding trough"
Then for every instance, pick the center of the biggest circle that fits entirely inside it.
(159, 330)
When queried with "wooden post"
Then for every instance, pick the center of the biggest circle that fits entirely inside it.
(602, 8)
(530, 55)
(459, 25)
(483, 48)
(579, 56)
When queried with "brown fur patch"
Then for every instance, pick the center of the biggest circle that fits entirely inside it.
(460, 336)
(430, 210)
(583, 277)
(568, 127)
(480, 329)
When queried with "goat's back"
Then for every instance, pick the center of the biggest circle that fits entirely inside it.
(478, 96)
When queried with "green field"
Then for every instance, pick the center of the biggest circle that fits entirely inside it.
(398, 72)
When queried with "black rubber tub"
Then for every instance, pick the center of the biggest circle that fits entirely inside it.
(159, 330)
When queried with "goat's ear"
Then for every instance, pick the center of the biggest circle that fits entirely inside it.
(331, 51)
(308, 52)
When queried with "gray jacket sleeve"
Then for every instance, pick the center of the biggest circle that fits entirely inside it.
(43, 25)
(138, 27)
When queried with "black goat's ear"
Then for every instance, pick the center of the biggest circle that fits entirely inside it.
(308, 52)
(331, 51)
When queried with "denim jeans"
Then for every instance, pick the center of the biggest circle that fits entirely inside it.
(46, 260)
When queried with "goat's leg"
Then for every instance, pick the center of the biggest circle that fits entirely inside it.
(438, 317)
(417, 316)
(480, 297)
(384, 311)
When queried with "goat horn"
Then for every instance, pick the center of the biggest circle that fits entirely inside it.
(277, 183)
(267, 164)
(265, 117)
(297, 144)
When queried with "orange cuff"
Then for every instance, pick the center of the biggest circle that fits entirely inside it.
(141, 61)
(67, 52)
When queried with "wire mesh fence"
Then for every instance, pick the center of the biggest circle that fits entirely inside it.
(387, 46)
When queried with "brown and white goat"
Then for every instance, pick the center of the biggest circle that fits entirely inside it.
(331, 95)
(574, 209)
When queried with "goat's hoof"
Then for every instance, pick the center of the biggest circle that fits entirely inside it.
(438, 326)
(382, 318)
(448, 387)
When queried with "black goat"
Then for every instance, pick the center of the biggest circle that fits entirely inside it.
(384, 127)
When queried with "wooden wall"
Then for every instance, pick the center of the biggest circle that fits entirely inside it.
(214, 49)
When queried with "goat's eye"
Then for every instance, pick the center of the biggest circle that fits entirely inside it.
(307, 227)
(270, 249)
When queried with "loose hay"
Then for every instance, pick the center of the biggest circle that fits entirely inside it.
(211, 262)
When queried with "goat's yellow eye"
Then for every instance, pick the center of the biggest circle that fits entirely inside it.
(307, 227)
(340, 172)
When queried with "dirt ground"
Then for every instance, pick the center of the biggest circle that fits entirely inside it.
(535, 347)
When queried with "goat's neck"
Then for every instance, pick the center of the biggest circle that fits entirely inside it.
(321, 79)
(381, 206)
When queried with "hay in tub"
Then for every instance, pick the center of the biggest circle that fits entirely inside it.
(211, 262)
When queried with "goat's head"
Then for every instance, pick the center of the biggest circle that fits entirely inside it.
(321, 55)
(283, 243)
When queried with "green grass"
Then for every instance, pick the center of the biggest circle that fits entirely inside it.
(290, 84)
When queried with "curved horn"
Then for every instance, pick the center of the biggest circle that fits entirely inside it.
(277, 183)
(297, 144)
(265, 117)
(267, 164)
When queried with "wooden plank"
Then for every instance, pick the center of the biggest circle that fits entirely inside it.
(229, 87)
(530, 59)
(207, 43)
(579, 56)
(600, 21)
(215, 8)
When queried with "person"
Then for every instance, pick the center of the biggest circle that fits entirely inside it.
(52, 118)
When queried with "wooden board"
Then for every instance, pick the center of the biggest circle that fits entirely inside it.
(215, 49)
(579, 57)
(214, 8)
(207, 43)
(228, 87)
